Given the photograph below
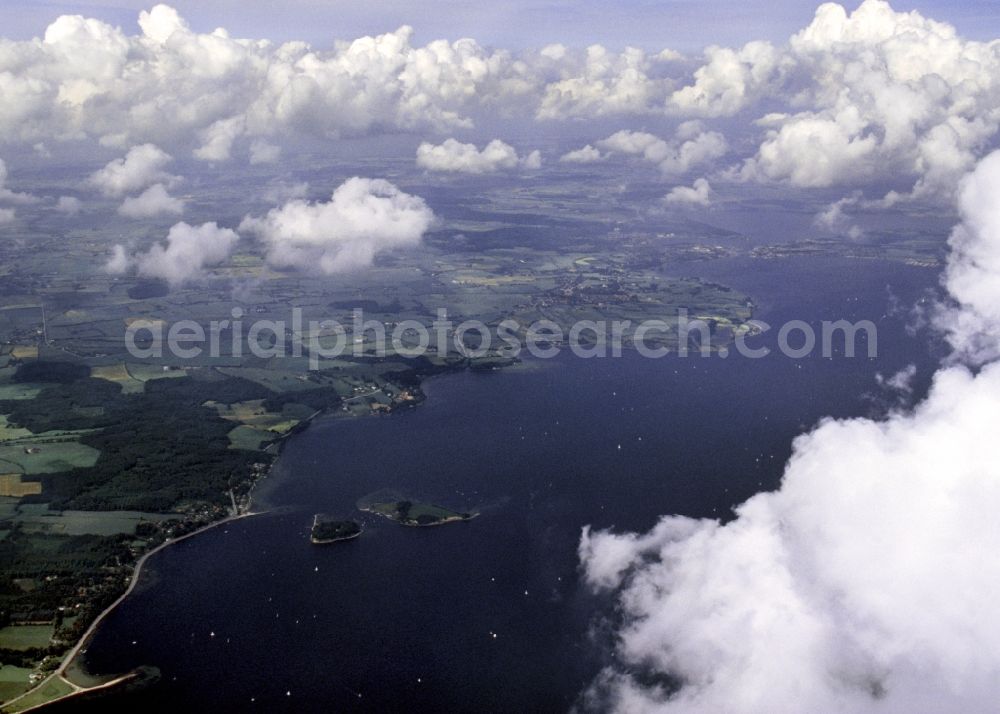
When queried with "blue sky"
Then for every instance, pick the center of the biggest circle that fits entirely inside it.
(654, 24)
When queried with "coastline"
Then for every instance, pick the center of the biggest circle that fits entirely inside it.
(136, 573)
(59, 674)
(441, 522)
(78, 648)
(275, 448)
(327, 541)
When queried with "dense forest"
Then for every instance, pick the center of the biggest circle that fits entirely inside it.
(158, 448)
(334, 530)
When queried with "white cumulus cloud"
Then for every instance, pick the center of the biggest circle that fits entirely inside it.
(587, 155)
(217, 140)
(533, 161)
(154, 201)
(363, 218)
(865, 95)
(187, 252)
(853, 99)
(70, 205)
(142, 166)
(455, 157)
(698, 194)
(261, 152)
(120, 262)
(601, 82)
(690, 147)
(972, 275)
(867, 582)
(834, 218)
(8, 196)
(729, 80)
(170, 85)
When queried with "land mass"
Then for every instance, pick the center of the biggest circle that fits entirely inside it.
(107, 475)
(324, 532)
(414, 513)
(106, 454)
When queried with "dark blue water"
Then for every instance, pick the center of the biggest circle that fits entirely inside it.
(488, 615)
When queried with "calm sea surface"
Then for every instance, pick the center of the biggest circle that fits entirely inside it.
(488, 615)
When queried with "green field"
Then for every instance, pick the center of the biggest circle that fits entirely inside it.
(150, 372)
(23, 637)
(20, 391)
(258, 426)
(278, 380)
(19, 436)
(249, 438)
(52, 457)
(52, 689)
(253, 413)
(10, 433)
(74, 523)
(120, 375)
(13, 681)
(8, 507)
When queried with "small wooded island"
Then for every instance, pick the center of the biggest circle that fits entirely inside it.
(415, 513)
(324, 532)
